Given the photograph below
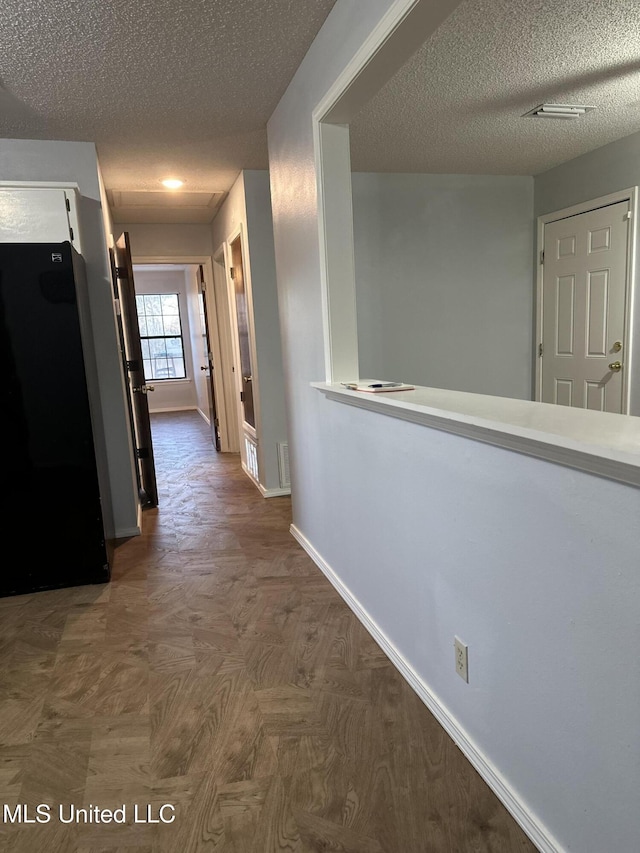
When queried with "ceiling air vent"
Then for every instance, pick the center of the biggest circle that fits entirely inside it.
(558, 111)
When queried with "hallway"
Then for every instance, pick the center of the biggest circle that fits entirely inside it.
(221, 673)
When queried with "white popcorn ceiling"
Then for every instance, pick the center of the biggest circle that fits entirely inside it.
(185, 87)
(456, 106)
(164, 87)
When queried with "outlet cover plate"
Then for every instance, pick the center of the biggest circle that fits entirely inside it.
(462, 658)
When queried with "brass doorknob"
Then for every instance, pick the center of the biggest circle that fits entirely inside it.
(615, 366)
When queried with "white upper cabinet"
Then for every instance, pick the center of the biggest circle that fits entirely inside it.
(39, 214)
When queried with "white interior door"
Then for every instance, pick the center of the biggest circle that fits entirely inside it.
(583, 309)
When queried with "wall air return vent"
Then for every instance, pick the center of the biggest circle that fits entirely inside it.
(251, 453)
(561, 111)
(283, 465)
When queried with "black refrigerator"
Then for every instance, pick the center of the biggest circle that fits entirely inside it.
(54, 468)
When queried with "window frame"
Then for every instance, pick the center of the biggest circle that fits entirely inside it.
(142, 315)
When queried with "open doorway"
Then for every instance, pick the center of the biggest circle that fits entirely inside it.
(182, 351)
(170, 347)
(175, 345)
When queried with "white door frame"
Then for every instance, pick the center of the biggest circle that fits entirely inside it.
(243, 427)
(630, 195)
(222, 395)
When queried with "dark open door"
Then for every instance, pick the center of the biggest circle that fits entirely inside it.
(208, 367)
(134, 371)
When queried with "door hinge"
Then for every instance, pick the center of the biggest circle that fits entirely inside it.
(203, 285)
(232, 272)
(133, 364)
(71, 233)
(121, 272)
(67, 204)
(242, 396)
(216, 422)
(142, 452)
(628, 214)
(542, 257)
(116, 303)
(539, 350)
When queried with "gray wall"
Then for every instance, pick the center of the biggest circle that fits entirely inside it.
(444, 280)
(533, 564)
(606, 170)
(613, 167)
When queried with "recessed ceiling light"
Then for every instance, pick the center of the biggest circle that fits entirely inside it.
(172, 183)
(563, 111)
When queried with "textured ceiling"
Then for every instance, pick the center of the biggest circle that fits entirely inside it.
(164, 87)
(456, 106)
(164, 207)
(184, 88)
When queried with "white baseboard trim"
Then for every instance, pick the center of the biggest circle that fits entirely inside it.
(266, 493)
(273, 493)
(204, 417)
(173, 409)
(250, 476)
(127, 532)
(529, 822)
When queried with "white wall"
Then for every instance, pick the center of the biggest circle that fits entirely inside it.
(533, 564)
(264, 293)
(171, 394)
(231, 215)
(166, 241)
(444, 280)
(249, 205)
(75, 162)
(606, 170)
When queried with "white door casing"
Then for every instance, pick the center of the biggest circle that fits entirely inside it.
(584, 294)
(222, 353)
(248, 434)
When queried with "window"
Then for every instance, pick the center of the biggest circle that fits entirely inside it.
(161, 336)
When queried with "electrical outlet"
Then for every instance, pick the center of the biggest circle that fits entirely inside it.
(462, 658)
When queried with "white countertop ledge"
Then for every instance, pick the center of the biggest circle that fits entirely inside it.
(597, 442)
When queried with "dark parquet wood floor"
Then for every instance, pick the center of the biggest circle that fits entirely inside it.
(221, 673)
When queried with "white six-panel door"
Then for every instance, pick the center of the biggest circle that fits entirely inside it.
(583, 309)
